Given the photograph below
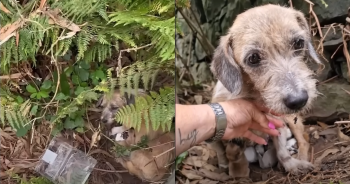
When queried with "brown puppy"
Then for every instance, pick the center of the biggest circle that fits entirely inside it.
(263, 58)
(148, 164)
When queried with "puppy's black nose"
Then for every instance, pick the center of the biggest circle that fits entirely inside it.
(296, 101)
(104, 120)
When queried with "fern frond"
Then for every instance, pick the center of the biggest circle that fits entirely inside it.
(157, 108)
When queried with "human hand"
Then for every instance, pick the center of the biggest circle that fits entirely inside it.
(242, 116)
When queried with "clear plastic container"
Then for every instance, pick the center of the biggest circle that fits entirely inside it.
(64, 164)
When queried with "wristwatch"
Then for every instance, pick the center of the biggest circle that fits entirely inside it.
(220, 120)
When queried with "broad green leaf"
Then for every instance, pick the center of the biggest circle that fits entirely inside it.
(31, 89)
(19, 99)
(84, 65)
(79, 90)
(46, 84)
(34, 110)
(100, 74)
(43, 94)
(22, 131)
(61, 96)
(65, 88)
(75, 79)
(33, 95)
(82, 73)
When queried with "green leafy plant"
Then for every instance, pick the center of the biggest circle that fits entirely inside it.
(84, 35)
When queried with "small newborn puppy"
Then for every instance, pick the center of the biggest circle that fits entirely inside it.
(150, 164)
(263, 58)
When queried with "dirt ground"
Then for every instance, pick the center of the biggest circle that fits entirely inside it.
(329, 150)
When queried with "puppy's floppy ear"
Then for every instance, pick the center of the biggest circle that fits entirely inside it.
(310, 48)
(224, 66)
(99, 101)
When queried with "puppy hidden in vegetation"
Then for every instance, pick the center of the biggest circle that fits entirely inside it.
(147, 164)
(263, 58)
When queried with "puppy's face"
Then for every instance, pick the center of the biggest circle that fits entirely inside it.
(266, 51)
(110, 106)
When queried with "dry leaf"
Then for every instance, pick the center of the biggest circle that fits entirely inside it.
(194, 161)
(94, 139)
(205, 154)
(187, 181)
(187, 166)
(342, 136)
(323, 125)
(210, 167)
(17, 38)
(195, 182)
(68, 35)
(56, 19)
(190, 174)
(319, 159)
(8, 30)
(330, 131)
(215, 176)
(207, 181)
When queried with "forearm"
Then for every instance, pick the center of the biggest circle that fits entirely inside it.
(193, 127)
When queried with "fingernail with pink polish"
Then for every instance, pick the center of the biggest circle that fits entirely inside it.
(271, 126)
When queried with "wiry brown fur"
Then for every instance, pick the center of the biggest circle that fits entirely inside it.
(270, 31)
(143, 162)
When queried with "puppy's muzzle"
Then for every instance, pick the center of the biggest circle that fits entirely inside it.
(296, 101)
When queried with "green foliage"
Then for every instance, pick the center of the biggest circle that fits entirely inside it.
(16, 114)
(33, 180)
(180, 158)
(90, 32)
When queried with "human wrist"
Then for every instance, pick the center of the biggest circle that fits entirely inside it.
(220, 122)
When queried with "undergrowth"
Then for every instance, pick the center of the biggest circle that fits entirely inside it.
(84, 34)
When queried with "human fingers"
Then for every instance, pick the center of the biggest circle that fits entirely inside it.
(255, 138)
(256, 126)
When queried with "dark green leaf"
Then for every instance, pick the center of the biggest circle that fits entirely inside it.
(65, 88)
(61, 96)
(31, 89)
(68, 71)
(84, 65)
(82, 73)
(23, 131)
(75, 79)
(33, 95)
(79, 90)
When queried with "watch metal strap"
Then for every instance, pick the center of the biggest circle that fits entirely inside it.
(221, 122)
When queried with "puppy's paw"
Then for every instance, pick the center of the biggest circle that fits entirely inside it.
(296, 166)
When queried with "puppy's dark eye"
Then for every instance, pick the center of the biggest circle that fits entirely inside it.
(254, 59)
(298, 44)
(114, 108)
